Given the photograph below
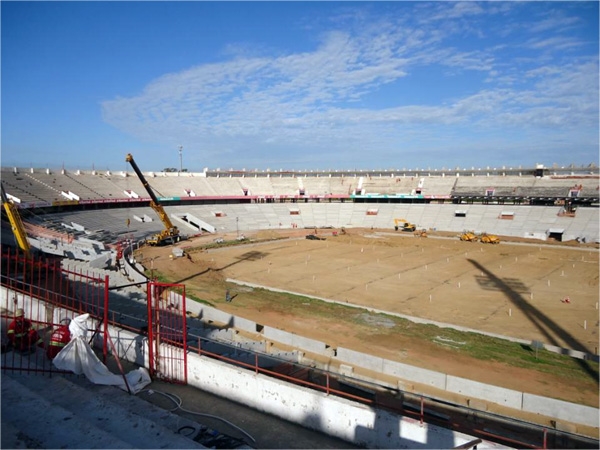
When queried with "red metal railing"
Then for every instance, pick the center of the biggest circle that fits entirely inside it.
(421, 410)
(47, 293)
(167, 332)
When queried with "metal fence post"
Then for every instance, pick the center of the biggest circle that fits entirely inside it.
(105, 318)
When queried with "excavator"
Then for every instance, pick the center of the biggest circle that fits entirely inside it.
(404, 225)
(468, 236)
(170, 234)
(16, 224)
(489, 239)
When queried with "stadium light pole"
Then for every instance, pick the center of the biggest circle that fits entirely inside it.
(180, 159)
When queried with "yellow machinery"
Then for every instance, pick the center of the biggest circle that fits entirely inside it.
(170, 234)
(468, 236)
(404, 225)
(421, 233)
(15, 222)
(489, 239)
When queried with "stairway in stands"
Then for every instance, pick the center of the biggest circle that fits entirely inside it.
(68, 411)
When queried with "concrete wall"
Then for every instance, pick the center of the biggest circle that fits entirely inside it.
(293, 340)
(501, 396)
(561, 410)
(415, 374)
(350, 421)
(349, 359)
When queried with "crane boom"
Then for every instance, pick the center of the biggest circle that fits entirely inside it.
(170, 233)
(15, 222)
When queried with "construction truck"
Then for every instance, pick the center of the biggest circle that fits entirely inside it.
(15, 223)
(170, 234)
(404, 225)
(489, 239)
(468, 236)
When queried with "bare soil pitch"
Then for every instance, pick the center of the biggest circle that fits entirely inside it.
(511, 289)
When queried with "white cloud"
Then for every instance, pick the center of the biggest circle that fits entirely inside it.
(321, 99)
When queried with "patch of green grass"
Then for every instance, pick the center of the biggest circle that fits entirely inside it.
(229, 243)
(488, 348)
(159, 277)
(199, 300)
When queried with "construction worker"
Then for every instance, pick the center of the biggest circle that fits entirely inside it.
(21, 333)
(59, 338)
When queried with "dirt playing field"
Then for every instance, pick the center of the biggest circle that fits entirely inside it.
(532, 291)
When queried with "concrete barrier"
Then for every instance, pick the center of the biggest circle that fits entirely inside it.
(244, 324)
(572, 353)
(293, 340)
(354, 358)
(415, 374)
(353, 422)
(494, 394)
(561, 410)
(215, 315)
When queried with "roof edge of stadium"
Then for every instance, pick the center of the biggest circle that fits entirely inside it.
(589, 171)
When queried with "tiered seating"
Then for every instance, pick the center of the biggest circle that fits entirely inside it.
(437, 185)
(227, 186)
(497, 184)
(26, 190)
(58, 182)
(258, 185)
(84, 415)
(284, 185)
(324, 185)
(379, 185)
(104, 185)
(561, 187)
(163, 185)
(46, 186)
(391, 186)
(202, 187)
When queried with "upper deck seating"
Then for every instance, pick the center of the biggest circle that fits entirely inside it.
(284, 185)
(492, 185)
(325, 185)
(20, 186)
(258, 186)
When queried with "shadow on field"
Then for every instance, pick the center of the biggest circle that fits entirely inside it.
(248, 256)
(253, 255)
(549, 328)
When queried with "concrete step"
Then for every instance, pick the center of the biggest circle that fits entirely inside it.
(79, 414)
(31, 419)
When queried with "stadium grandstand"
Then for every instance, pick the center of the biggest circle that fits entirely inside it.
(85, 217)
(101, 206)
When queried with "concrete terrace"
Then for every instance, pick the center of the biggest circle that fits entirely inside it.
(45, 185)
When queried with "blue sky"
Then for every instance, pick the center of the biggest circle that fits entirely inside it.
(299, 85)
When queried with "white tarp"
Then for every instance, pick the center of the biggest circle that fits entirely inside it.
(78, 357)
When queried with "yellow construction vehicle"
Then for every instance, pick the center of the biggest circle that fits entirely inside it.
(404, 225)
(468, 236)
(170, 234)
(15, 222)
(421, 233)
(489, 239)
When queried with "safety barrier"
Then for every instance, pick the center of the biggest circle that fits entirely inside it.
(45, 293)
